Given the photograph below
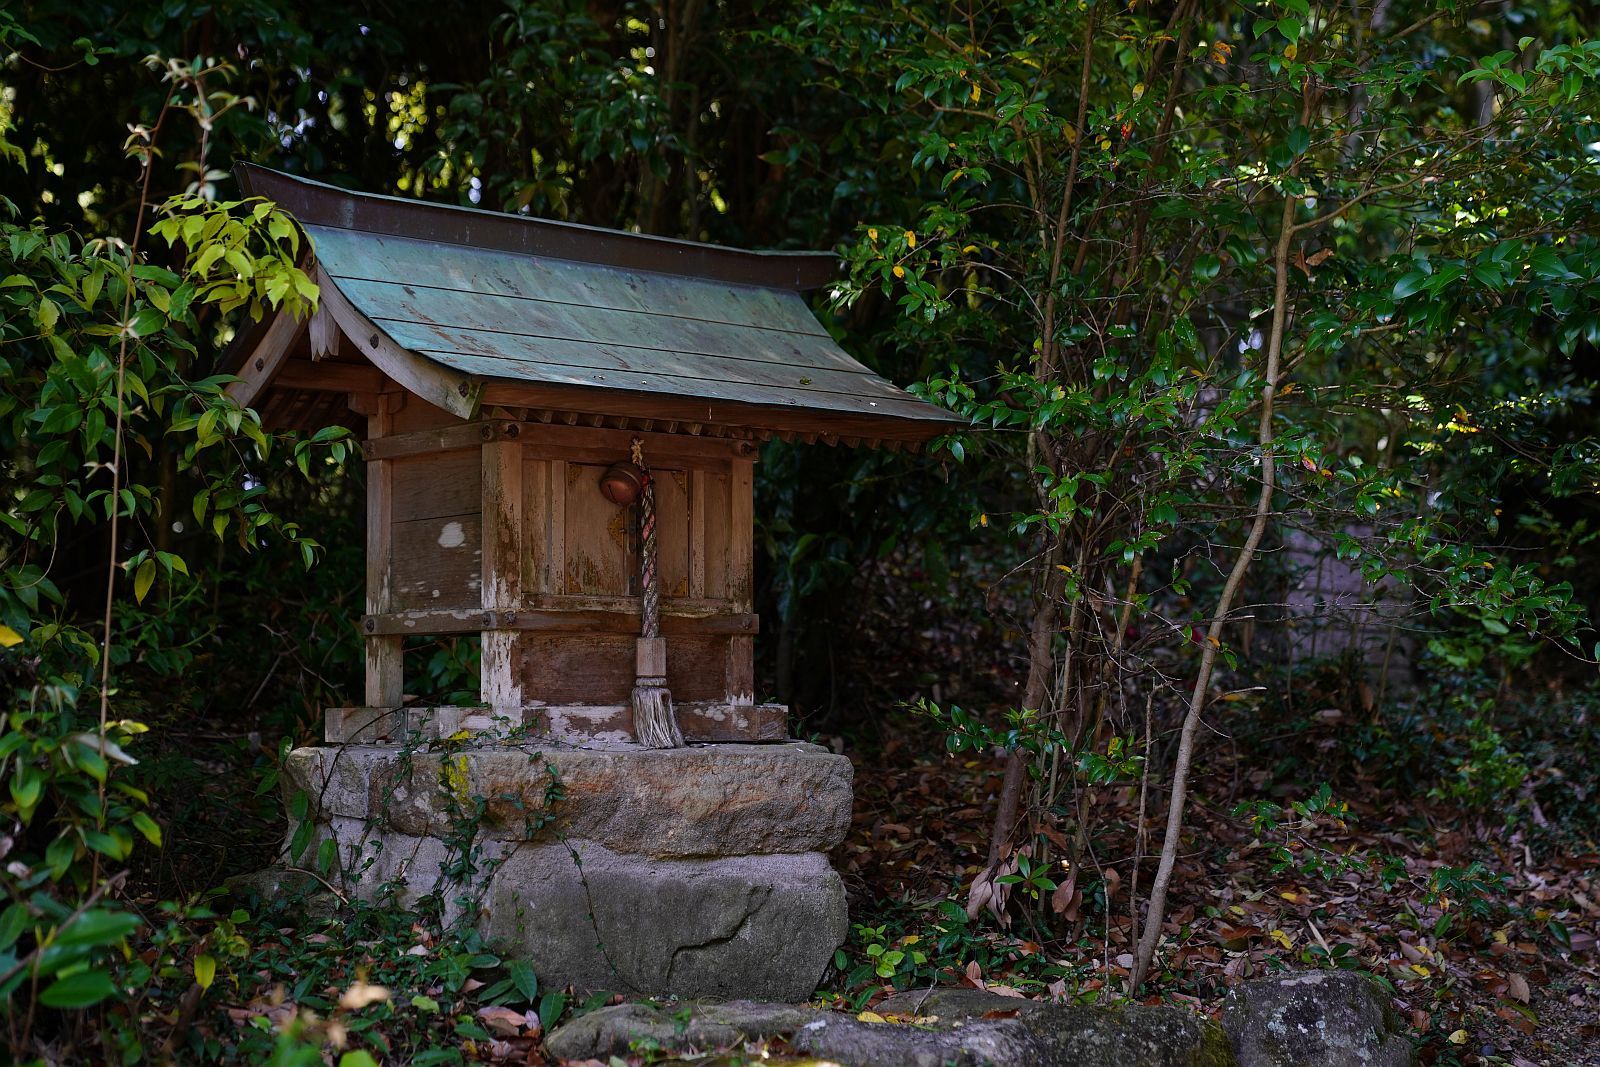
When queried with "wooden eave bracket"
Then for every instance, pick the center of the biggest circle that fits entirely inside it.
(459, 394)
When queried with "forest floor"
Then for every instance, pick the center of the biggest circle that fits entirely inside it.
(1487, 937)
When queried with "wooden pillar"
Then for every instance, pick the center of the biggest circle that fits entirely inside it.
(385, 686)
(740, 660)
(499, 686)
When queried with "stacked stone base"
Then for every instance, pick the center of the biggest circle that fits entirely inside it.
(694, 872)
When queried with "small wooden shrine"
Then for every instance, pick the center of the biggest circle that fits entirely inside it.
(503, 366)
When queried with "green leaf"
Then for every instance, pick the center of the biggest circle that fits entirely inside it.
(525, 980)
(327, 855)
(143, 578)
(146, 322)
(12, 922)
(81, 990)
(1409, 284)
(551, 1005)
(205, 970)
(147, 826)
(358, 1058)
(301, 840)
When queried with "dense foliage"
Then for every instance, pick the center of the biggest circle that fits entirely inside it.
(1232, 294)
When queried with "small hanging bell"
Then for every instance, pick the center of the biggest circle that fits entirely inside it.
(622, 483)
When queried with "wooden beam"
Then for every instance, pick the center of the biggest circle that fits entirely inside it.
(328, 377)
(499, 685)
(717, 416)
(261, 363)
(385, 661)
(589, 445)
(455, 438)
(466, 621)
(741, 534)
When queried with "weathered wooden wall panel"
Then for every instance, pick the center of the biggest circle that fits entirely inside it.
(437, 563)
(443, 484)
(672, 525)
(598, 668)
(601, 556)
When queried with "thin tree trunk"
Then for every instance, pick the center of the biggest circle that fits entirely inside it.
(1156, 915)
(1041, 669)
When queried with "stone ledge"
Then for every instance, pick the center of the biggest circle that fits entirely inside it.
(716, 800)
(984, 1030)
(1309, 1019)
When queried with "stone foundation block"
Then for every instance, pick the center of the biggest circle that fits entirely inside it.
(761, 927)
(695, 872)
(712, 800)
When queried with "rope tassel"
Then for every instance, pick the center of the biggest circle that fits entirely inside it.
(654, 724)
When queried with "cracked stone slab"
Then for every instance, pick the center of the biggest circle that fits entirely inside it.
(711, 800)
(757, 927)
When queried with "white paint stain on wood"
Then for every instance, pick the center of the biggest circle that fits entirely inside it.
(451, 535)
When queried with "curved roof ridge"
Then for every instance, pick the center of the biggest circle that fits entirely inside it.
(317, 203)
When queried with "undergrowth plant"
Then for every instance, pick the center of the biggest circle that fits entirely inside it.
(1206, 277)
(105, 363)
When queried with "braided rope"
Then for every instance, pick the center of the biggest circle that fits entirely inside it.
(647, 544)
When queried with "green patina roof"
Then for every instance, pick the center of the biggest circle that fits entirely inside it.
(503, 298)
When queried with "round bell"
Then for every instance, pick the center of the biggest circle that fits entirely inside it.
(622, 483)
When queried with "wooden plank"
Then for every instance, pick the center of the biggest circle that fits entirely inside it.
(329, 377)
(451, 310)
(385, 659)
(739, 666)
(685, 607)
(471, 620)
(432, 486)
(415, 414)
(437, 563)
(352, 255)
(672, 539)
(601, 556)
(676, 451)
(451, 438)
(717, 512)
(499, 686)
(536, 524)
(697, 532)
(598, 668)
(741, 534)
(454, 392)
(881, 421)
(556, 541)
